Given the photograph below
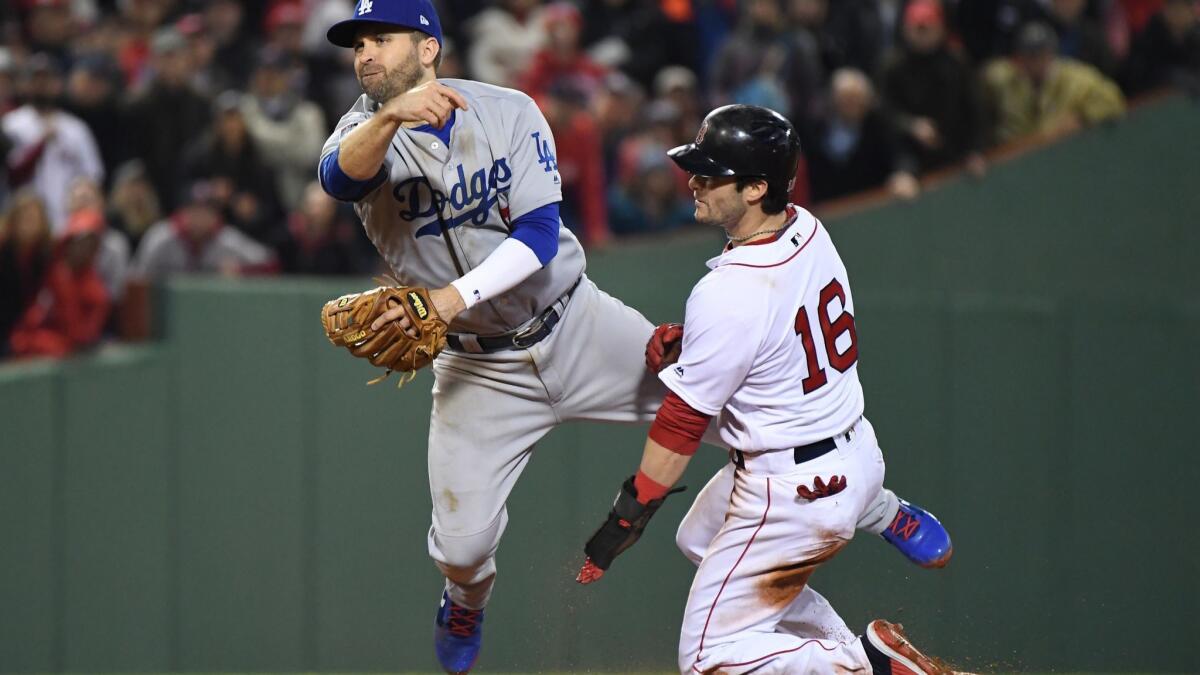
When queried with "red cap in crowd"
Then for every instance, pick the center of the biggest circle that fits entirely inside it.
(84, 221)
(923, 13)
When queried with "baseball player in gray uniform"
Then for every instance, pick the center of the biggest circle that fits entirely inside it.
(457, 185)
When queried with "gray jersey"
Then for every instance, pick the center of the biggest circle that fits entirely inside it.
(442, 210)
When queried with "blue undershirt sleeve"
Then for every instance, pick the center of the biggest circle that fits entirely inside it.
(538, 230)
(342, 187)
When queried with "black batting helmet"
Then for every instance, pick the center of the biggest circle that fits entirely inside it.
(745, 141)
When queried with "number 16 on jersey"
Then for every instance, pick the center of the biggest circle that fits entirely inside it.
(831, 330)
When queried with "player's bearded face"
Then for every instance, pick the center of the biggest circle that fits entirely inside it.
(717, 200)
(382, 83)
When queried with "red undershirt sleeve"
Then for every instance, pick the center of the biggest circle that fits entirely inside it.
(678, 426)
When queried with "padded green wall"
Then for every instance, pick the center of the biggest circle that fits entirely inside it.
(235, 499)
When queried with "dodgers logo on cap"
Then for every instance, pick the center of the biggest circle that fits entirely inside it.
(414, 14)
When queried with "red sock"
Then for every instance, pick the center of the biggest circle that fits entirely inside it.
(647, 488)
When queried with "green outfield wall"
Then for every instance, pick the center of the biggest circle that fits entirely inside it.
(235, 499)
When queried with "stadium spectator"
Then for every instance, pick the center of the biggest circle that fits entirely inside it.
(562, 61)
(1137, 13)
(659, 132)
(618, 111)
(1080, 37)
(196, 240)
(287, 129)
(230, 158)
(650, 201)
(332, 84)
(321, 15)
(988, 28)
(25, 248)
(740, 60)
(1037, 92)
(206, 79)
(580, 163)
(8, 88)
(1168, 51)
(890, 14)
(639, 37)
(321, 237)
(853, 31)
(167, 115)
(92, 95)
(930, 93)
(112, 254)
(132, 205)
(504, 39)
(50, 26)
(808, 60)
(139, 21)
(284, 28)
(852, 149)
(52, 147)
(234, 49)
(681, 87)
(69, 311)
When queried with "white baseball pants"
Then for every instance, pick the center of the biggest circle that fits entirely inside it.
(756, 541)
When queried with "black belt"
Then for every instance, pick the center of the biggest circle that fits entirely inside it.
(535, 332)
(802, 453)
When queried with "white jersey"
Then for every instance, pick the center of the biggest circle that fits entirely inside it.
(443, 210)
(71, 154)
(769, 343)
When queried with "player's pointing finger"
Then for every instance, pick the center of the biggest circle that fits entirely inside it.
(456, 99)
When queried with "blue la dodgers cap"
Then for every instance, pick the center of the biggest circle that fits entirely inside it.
(416, 14)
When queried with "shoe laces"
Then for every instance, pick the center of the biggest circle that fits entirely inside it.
(462, 621)
(904, 525)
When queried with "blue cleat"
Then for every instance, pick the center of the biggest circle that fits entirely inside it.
(919, 536)
(458, 636)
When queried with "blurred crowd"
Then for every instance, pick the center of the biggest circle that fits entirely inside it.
(144, 138)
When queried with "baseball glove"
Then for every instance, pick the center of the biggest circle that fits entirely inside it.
(347, 322)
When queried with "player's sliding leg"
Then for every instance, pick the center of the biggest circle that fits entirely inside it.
(915, 532)
(486, 417)
(750, 587)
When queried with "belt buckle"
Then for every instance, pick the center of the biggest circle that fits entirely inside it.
(528, 333)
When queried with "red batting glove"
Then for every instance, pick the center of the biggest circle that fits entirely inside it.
(664, 346)
(589, 572)
(820, 490)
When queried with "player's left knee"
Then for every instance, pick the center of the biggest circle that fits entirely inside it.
(466, 552)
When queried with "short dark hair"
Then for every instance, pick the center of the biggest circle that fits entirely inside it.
(418, 37)
(776, 199)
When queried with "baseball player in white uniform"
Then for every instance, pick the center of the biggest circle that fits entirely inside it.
(779, 377)
(457, 185)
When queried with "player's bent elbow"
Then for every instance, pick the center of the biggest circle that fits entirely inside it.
(337, 184)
